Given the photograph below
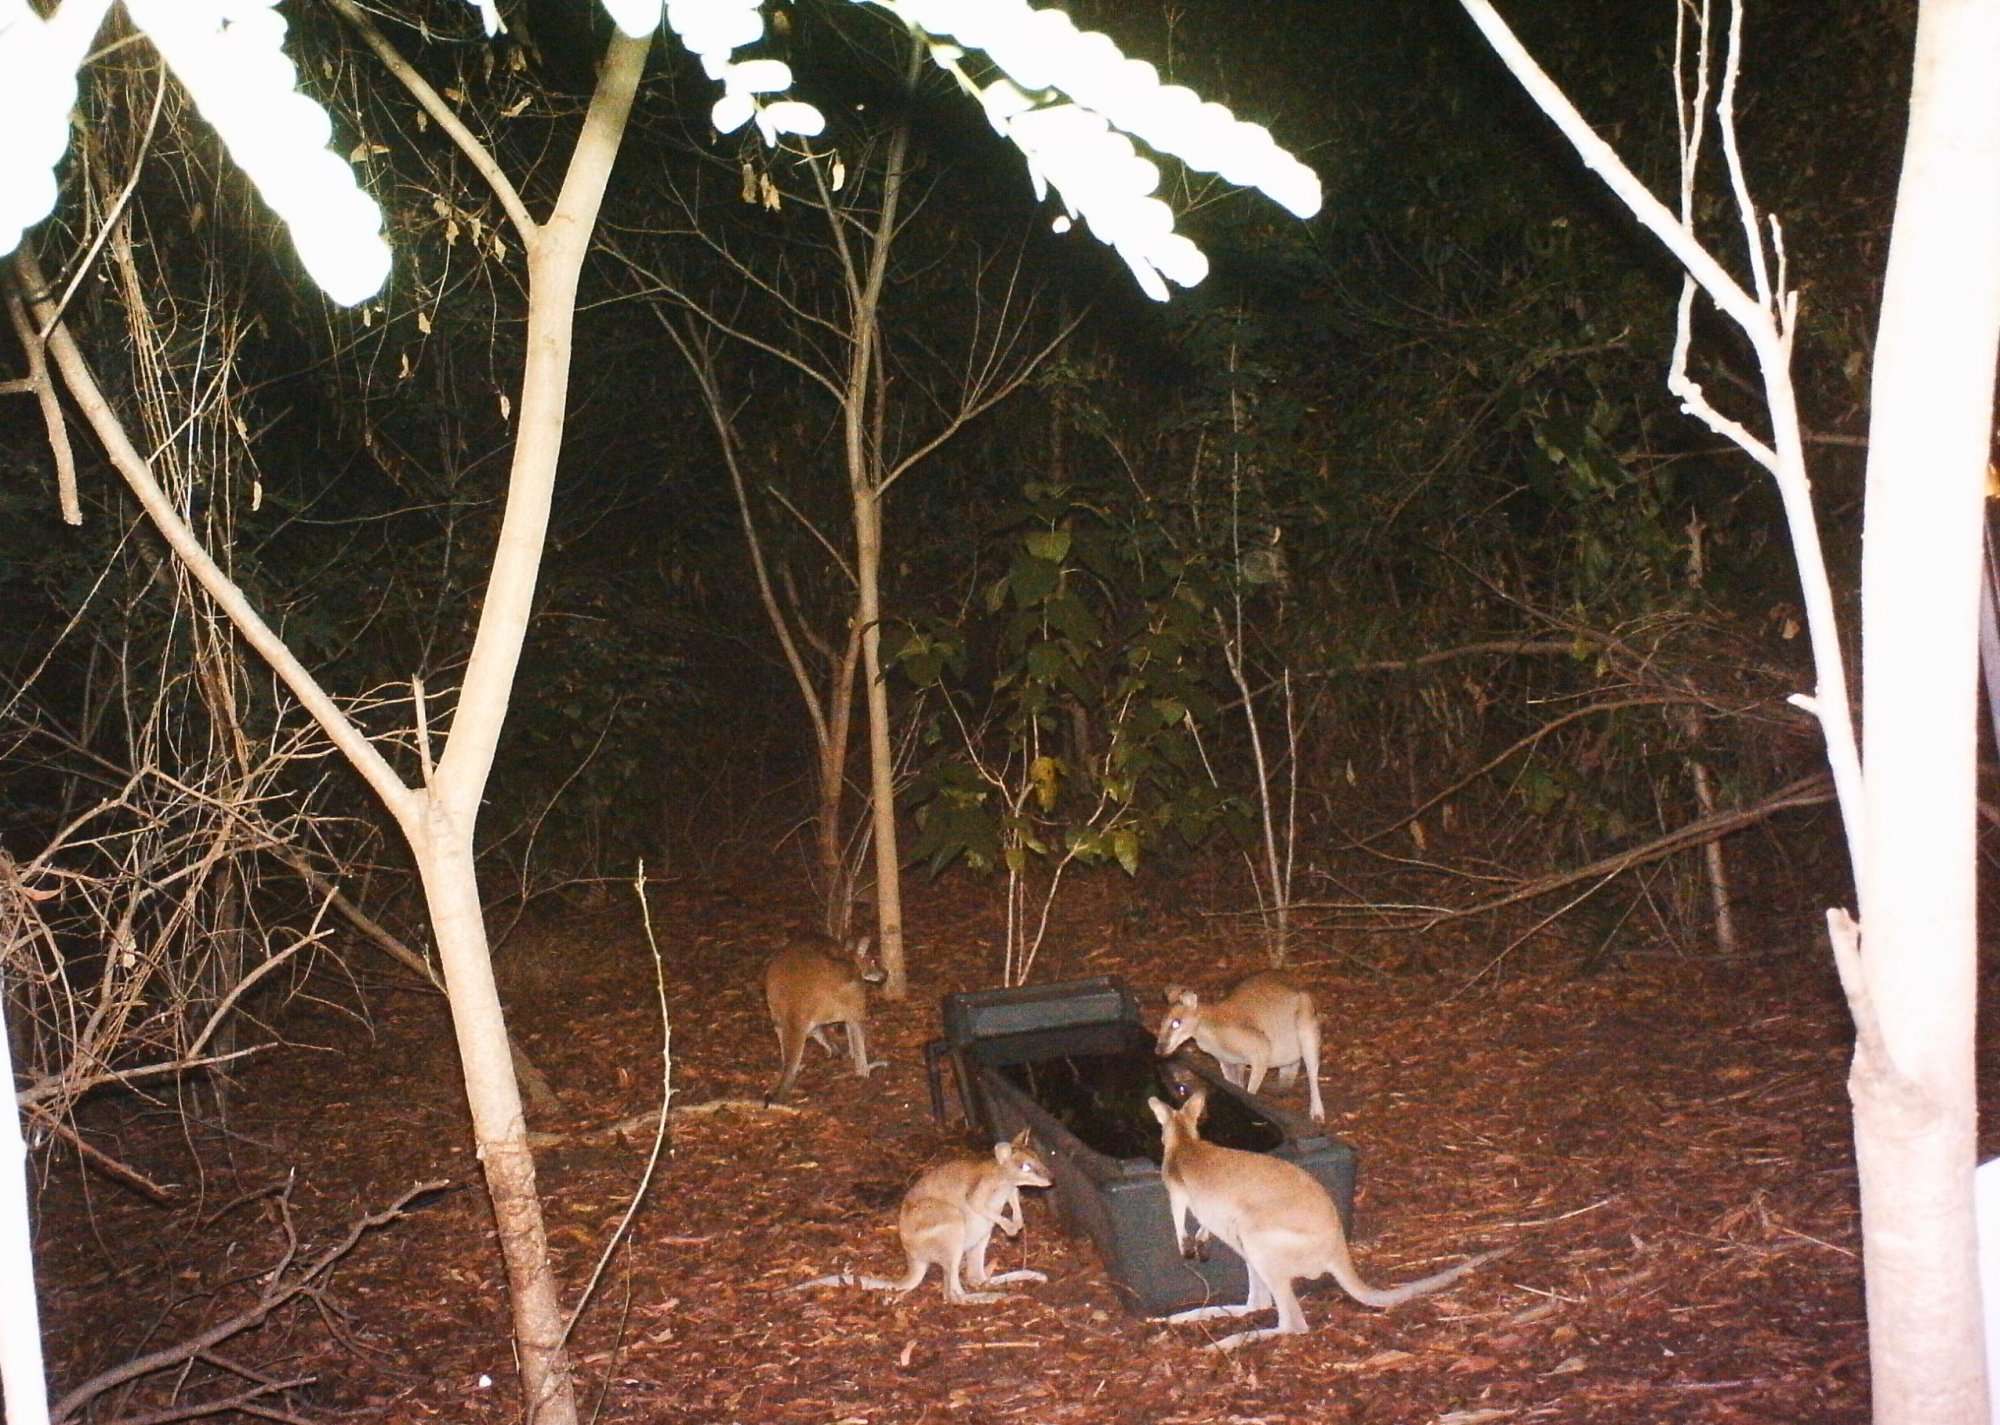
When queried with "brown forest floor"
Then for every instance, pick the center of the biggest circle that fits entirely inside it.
(1664, 1145)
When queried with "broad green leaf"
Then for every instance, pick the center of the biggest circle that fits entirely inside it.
(1049, 544)
(1125, 846)
(1046, 661)
(1032, 580)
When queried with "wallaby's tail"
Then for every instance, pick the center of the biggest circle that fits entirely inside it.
(1350, 1280)
(908, 1282)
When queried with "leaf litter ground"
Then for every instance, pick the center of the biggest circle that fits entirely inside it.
(1664, 1146)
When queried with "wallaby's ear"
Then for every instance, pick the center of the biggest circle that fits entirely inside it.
(1174, 992)
(1197, 1100)
(1184, 999)
(1003, 1153)
(1022, 1140)
(1160, 1111)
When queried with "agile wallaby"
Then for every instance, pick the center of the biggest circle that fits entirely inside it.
(1275, 1215)
(807, 989)
(1266, 1023)
(949, 1214)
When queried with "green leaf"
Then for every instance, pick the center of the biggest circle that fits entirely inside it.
(1032, 580)
(1049, 544)
(1070, 614)
(1047, 661)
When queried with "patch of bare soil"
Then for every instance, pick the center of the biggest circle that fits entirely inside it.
(1665, 1147)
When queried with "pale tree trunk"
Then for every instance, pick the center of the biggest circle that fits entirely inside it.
(1931, 423)
(1909, 815)
(862, 421)
(439, 818)
(853, 371)
(1714, 865)
(881, 756)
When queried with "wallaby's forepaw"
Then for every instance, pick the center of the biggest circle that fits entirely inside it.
(1195, 1248)
(873, 1065)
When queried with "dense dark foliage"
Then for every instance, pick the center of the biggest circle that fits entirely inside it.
(1432, 417)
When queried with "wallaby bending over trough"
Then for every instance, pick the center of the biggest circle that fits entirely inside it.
(947, 1217)
(1267, 1022)
(1276, 1216)
(806, 990)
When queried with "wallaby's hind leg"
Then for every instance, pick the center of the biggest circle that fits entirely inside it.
(1291, 1318)
(1288, 1076)
(1258, 1300)
(857, 1048)
(1264, 1293)
(792, 1052)
(957, 1294)
(977, 1275)
(818, 1036)
(1308, 1028)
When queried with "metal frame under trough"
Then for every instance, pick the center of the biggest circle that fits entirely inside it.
(1082, 1045)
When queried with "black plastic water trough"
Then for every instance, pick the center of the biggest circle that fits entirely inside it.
(1074, 1064)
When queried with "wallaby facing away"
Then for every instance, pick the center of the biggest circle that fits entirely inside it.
(949, 1214)
(807, 989)
(1267, 1022)
(1275, 1215)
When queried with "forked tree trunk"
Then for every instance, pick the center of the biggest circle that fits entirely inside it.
(1915, 976)
(439, 818)
(862, 409)
(499, 1127)
(1907, 803)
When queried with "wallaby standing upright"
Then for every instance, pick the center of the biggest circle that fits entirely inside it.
(807, 989)
(1273, 1214)
(948, 1216)
(1267, 1022)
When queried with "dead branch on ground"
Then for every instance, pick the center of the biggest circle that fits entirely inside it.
(283, 1284)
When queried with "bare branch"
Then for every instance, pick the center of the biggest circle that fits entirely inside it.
(37, 380)
(433, 103)
(279, 1291)
(139, 477)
